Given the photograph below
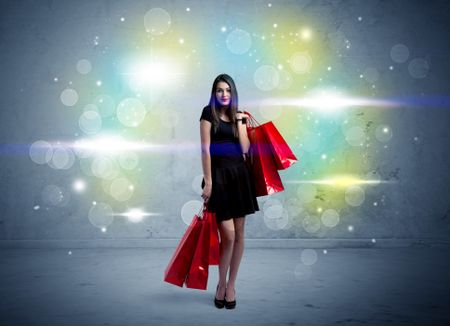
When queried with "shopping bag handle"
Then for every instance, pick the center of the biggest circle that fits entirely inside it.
(253, 124)
(202, 209)
(252, 120)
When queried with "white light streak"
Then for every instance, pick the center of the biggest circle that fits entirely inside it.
(329, 102)
(136, 215)
(117, 145)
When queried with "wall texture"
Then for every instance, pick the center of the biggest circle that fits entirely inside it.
(61, 59)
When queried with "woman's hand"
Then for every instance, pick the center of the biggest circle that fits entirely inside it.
(207, 189)
(240, 115)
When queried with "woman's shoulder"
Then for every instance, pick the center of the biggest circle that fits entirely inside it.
(206, 113)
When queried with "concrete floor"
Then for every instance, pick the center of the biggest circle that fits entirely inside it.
(398, 286)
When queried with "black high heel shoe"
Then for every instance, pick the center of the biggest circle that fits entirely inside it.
(230, 304)
(218, 303)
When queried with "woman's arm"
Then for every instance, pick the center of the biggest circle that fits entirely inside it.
(242, 130)
(205, 139)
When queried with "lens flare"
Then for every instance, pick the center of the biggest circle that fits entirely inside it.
(328, 101)
(136, 215)
(341, 181)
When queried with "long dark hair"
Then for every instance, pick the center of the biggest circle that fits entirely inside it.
(233, 106)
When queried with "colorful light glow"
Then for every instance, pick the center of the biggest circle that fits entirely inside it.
(150, 74)
(153, 70)
(305, 34)
(153, 62)
(341, 181)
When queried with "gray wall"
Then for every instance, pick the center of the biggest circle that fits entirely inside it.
(41, 40)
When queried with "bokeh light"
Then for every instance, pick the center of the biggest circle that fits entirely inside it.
(354, 195)
(69, 97)
(308, 257)
(238, 41)
(104, 167)
(157, 21)
(90, 122)
(101, 215)
(63, 157)
(418, 68)
(301, 62)
(311, 223)
(197, 184)
(41, 152)
(383, 133)
(131, 112)
(399, 53)
(121, 189)
(275, 216)
(330, 218)
(189, 210)
(266, 78)
(84, 66)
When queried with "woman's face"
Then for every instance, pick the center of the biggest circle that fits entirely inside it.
(223, 93)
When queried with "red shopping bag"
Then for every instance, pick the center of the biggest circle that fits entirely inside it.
(198, 249)
(178, 267)
(214, 246)
(262, 164)
(282, 154)
(197, 277)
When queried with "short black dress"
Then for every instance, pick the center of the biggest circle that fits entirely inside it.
(233, 190)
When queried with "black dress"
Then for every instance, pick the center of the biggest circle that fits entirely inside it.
(233, 189)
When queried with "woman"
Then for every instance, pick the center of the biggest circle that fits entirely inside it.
(228, 188)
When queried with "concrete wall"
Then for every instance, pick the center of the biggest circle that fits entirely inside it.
(44, 40)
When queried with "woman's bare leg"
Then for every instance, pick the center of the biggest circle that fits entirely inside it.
(227, 238)
(238, 250)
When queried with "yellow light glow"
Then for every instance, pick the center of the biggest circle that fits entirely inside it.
(341, 181)
(305, 34)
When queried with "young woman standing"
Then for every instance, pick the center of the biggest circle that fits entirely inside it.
(228, 188)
